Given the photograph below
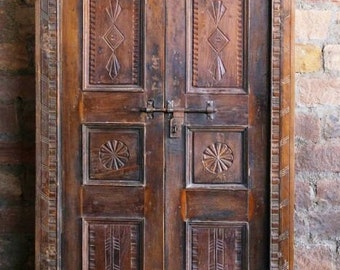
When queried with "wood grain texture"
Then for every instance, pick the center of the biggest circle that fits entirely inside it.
(224, 244)
(112, 45)
(282, 133)
(47, 136)
(49, 214)
(112, 245)
(218, 40)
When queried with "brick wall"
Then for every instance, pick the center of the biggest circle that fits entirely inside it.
(317, 219)
(17, 93)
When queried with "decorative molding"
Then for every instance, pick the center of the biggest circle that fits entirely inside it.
(48, 212)
(47, 136)
(282, 148)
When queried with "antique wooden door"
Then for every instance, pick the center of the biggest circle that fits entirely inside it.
(165, 129)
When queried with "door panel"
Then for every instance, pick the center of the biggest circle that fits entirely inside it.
(112, 161)
(113, 43)
(165, 134)
(216, 170)
(217, 45)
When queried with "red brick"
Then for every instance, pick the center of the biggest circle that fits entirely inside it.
(303, 193)
(324, 223)
(318, 158)
(312, 24)
(301, 227)
(307, 126)
(323, 2)
(332, 125)
(332, 57)
(318, 91)
(307, 58)
(313, 258)
(328, 191)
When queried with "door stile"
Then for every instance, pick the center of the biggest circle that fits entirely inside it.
(175, 231)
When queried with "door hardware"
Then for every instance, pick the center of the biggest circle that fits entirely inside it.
(150, 109)
(176, 115)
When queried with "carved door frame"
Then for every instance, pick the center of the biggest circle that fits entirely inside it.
(48, 184)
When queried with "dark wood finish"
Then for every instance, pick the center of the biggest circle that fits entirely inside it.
(119, 188)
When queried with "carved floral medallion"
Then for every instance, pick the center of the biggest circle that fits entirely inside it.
(217, 158)
(114, 155)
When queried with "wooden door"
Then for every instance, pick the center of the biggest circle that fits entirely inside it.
(164, 120)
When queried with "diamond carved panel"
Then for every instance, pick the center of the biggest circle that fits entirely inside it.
(112, 44)
(113, 154)
(217, 32)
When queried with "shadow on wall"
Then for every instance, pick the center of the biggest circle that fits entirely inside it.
(17, 134)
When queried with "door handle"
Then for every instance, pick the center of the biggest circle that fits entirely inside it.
(176, 115)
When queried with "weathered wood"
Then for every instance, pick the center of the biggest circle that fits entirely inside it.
(114, 188)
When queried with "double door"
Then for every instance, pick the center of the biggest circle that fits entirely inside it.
(165, 134)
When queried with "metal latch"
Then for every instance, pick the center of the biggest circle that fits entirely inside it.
(176, 115)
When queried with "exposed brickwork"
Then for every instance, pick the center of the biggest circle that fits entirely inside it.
(332, 57)
(308, 58)
(17, 95)
(317, 205)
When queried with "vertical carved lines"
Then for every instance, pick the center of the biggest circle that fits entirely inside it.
(92, 249)
(108, 248)
(220, 246)
(194, 256)
(211, 249)
(136, 42)
(275, 145)
(195, 44)
(240, 35)
(113, 38)
(92, 36)
(116, 249)
(113, 246)
(48, 233)
(217, 247)
(134, 248)
(238, 249)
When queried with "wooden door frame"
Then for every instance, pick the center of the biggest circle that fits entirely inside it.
(48, 165)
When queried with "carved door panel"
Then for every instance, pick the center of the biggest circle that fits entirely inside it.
(113, 156)
(217, 192)
(165, 134)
